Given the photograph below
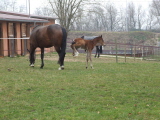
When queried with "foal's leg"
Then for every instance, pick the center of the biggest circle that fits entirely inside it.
(76, 52)
(42, 56)
(87, 58)
(90, 57)
(73, 50)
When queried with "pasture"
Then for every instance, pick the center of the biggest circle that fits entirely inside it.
(122, 91)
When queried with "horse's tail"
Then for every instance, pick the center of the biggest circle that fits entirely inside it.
(101, 51)
(73, 42)
(64, 41)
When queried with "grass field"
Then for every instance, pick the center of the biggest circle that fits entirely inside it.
(110, 91)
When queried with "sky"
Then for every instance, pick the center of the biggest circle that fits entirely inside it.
(33, 4)
(37, 3)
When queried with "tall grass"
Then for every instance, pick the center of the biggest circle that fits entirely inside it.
(122, 91)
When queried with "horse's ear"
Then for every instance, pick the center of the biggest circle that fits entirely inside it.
(82, 37)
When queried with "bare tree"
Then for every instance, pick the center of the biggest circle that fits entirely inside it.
(111, 13)
(131, 16)
(66, 11)
(44, 11)
(150, 21)
(121, 20)
(96, 18)
(22, 9)
(140, 17)
(155, 9)
(5, 5)
(13, 5)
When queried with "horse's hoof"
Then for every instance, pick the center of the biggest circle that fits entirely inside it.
(61, 68)
(32, 65)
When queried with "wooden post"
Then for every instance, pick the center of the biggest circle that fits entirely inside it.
(134, 51)
(116, 51)
(142, 53)
(125, 53)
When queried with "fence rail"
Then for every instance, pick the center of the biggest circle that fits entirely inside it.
(14, 38)
(128, 49)
(111, 48)
(13, 50)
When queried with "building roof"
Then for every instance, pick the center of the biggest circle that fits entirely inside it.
(11, 16)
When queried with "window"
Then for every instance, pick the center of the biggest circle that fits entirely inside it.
(23, 29)
(10, 30)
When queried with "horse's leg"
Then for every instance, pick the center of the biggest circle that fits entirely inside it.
(96, 52)
(90, 57)
(32, 57)
(87, 58)
(42, 56)
(73, 50)
(61, 58)
(58, 51)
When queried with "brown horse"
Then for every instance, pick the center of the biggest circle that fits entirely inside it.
(45, 37)
(88, 45)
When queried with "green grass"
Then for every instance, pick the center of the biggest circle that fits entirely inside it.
(122, 91)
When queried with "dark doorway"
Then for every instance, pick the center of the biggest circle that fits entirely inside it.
(11, 40)
(24, 41)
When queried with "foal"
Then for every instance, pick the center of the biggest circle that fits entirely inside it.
(88, 45)
(98, 48)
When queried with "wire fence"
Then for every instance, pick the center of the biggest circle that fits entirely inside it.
(127, 50)
(112, 48)
(133, 50)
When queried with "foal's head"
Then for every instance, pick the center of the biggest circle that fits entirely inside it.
(99, 41)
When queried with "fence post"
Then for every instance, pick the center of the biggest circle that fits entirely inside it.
(116, 51)
(134, 51)
(125, 53)
(142, 52)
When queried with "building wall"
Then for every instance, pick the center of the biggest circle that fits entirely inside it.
(1, 46)
(18, 46)
(5, 41)
(18, 35)
(51, 21)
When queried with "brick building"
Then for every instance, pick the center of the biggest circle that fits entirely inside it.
(15, 30)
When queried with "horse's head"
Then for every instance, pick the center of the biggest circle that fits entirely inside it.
(100, 41)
